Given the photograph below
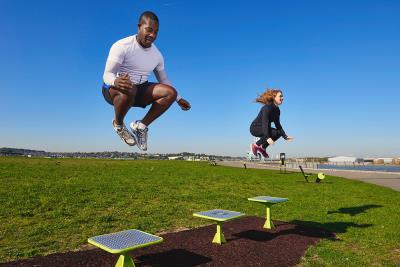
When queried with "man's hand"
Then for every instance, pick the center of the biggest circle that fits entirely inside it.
(123, 82)
(185, 105)
(270, 141)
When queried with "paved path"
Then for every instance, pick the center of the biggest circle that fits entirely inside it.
(387, 179)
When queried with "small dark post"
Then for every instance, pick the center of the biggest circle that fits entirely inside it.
(282, 157)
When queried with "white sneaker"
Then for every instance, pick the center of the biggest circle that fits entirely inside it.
(141, 135)
(125, 135)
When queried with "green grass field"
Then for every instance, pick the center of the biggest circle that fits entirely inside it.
(53, 205)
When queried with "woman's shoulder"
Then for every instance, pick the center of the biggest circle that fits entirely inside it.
(267, 107)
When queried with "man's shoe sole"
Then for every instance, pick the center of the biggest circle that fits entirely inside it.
(134, 132)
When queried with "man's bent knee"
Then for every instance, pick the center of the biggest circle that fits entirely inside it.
(171, 92)
(165, 92)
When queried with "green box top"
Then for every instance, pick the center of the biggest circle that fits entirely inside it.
(268, 199)
(218, 215)
(124, 241)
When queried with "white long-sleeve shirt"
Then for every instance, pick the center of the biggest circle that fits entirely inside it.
(128, 56)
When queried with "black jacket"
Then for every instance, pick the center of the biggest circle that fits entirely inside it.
(269, 113)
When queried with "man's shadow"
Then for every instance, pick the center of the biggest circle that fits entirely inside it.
(303, 228)
(352, 211)
(335, 227)
(264, 236)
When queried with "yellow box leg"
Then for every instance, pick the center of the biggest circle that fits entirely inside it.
(268, 222)
(219, 237)
(125, 261)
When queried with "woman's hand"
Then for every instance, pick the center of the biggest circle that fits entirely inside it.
(270, 141)
(289, 138)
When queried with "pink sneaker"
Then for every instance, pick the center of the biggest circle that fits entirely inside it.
(263, 152)
(254, 149)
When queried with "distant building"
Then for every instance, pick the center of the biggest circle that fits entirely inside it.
(383, 160)
(342, 159)
(176, 158)
(396, 161)
(189, 158)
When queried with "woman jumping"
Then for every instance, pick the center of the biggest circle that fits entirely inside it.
(261, 126)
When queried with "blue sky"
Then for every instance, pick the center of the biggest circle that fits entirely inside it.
(336, 61)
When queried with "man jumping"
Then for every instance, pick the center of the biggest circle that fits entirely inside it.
(126, 84)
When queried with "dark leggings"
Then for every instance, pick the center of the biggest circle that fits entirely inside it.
(275, 134)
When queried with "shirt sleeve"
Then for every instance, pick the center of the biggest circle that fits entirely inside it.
(278, 125)
(117, 53)
(110, 72)
(160, 66)
(114, 61)
(161, 75)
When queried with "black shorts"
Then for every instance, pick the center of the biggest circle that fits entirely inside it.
(139, 99)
